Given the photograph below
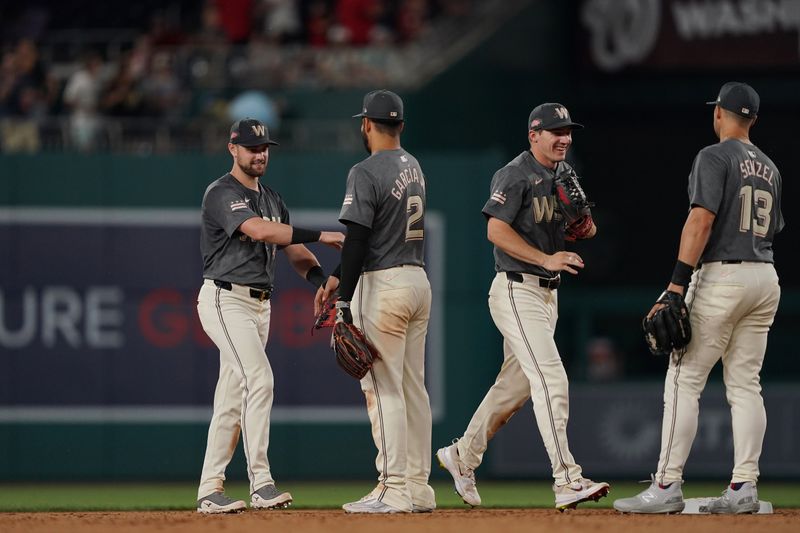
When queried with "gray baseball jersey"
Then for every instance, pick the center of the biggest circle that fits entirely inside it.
(523, 195)
(742, 186)
(386, 192)
(228, 254)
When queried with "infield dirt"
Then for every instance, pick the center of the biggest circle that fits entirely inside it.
(443, 521)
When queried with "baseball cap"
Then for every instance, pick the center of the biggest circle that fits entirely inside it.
(250, 132)
(738, 98)
(551, 116)
(382, 105)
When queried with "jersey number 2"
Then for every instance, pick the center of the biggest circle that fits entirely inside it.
(763, 200)
(414, 227)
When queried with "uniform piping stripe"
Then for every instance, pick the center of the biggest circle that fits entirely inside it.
(541, 377)
(675, 395)
(246, 389)
(385, 472)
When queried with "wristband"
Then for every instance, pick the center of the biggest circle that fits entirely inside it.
(300, 235)
(316, 276)
(682, 274)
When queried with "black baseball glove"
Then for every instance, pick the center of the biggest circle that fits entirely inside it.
(574, 205)
(354, 353)
(669, 328)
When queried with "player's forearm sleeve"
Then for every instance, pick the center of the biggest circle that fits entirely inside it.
(353, 254)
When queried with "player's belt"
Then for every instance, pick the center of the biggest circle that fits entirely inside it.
(259, 294)
(547, 283)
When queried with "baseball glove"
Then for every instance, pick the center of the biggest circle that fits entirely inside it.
(669, 328)
(327, 315)
(574, 205)
(354, 353)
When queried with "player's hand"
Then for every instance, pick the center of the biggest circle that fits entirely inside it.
(566, 261)
(332, 238)
(323, 293)
(671, 288)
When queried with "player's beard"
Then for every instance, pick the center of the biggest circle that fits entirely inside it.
(365, 139)
(251, 171)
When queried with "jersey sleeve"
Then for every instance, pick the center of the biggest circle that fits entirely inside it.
(228, 208)
(360, 198)
(707, 181)
(506, 194)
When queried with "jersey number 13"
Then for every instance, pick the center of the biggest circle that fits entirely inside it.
(762, 202)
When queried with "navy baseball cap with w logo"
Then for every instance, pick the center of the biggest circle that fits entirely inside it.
(738, 98)
(250, 132)
(551, 116)
(382, 105)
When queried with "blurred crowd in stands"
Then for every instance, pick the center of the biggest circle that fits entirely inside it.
(85, 61)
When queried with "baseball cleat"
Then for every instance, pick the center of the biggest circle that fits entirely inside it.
(370, 506)
(654, 500)
(269, 497)
(744, 500)
(217, 502)
(583, 490)
(463, 477)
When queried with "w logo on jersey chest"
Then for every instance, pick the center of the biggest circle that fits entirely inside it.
(543, 208)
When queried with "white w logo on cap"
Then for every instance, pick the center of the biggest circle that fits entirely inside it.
(562, 112)
(258, 130)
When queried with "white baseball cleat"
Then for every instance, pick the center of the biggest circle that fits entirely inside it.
(269, 497)
(370, 505)
(744, 500)
(583, 490)
(463, 477)
(654, 500)
(217, 502)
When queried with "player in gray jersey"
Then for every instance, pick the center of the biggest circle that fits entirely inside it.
(527, 227)
(384, 290)
(244, 223)
(725, 260)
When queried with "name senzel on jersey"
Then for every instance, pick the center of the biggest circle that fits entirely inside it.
(407, 176)
(752, 167)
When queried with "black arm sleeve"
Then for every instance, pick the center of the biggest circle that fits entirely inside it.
(353, 254)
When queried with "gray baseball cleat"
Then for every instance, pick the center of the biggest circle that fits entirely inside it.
(582, 490)
(744, 500)
(370, 506)
(217, 502)
(269, 497)
(463, 477)
(654, 500)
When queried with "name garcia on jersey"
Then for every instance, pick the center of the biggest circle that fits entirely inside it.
(406, 177)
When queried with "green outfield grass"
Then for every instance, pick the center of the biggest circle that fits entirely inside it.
(321, 495)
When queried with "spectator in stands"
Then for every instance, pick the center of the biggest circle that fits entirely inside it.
(162, 89)
(123, 96)
(236, 18)
(280, 20)
(27, 92)
(362, 20)
(318, 23)
(412, 19)
(82, 95)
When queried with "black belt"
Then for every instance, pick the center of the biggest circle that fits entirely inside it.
(258, 294)
(551, 283)
(731, 262)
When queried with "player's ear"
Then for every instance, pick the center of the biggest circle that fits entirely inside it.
(532, 136)
(232, 149)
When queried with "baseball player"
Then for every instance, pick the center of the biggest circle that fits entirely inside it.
(725, 259)
(384, 290)
(244, 223)
(528, 233)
